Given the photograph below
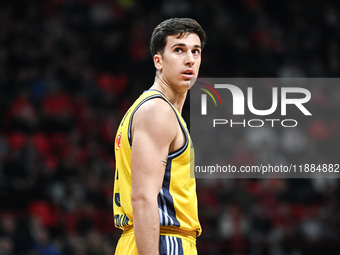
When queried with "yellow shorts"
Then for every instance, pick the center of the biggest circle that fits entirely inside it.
(169, 244)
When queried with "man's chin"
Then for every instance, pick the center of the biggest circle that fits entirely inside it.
(186, 83)
(192, 81)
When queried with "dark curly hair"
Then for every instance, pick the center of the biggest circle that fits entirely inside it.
(174, 26)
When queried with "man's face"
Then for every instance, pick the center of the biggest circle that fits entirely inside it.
(180, 61)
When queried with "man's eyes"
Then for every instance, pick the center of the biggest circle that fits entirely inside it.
(180, 50)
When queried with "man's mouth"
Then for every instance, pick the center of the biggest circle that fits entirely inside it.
(188, 74)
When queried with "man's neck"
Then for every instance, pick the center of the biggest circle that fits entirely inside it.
(176, 98)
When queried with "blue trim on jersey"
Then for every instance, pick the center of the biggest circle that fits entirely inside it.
(139, 105)
(167, 214)
(175, 153)
(164, 218)
(170, 245)
(179, 151)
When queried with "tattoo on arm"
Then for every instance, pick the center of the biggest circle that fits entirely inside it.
(165, 160)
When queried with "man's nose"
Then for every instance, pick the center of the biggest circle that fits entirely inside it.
(190, 59)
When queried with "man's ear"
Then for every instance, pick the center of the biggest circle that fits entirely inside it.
(158, 61)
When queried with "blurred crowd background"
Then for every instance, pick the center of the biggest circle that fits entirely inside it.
(69, 69)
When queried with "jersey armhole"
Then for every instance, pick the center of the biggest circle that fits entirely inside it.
(172, 154)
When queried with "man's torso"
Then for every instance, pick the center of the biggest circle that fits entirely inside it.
(177, 201)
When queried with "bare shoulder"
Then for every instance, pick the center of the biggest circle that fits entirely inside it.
(156, 117)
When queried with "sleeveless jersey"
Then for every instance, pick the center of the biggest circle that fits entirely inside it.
(177, 200)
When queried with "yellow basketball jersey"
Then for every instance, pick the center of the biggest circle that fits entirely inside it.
(177, 200)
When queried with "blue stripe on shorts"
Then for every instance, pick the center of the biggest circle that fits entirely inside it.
(170, 245)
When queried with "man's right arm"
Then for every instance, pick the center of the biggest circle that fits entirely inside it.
(154, 128)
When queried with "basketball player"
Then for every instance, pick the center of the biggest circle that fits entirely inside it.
(155, 200)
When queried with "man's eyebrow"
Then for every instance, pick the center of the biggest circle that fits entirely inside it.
(184, 45)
